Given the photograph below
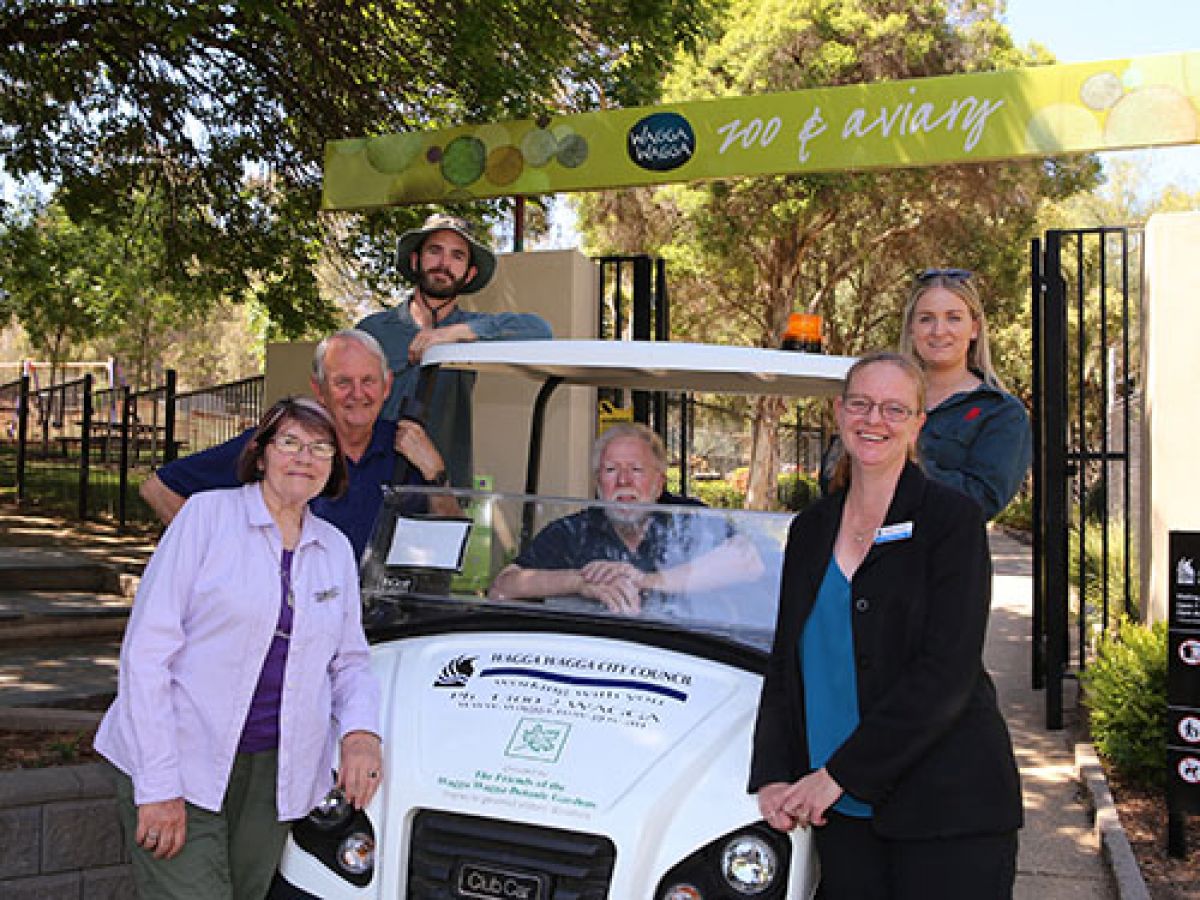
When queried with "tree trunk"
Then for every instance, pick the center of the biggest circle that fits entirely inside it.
(764, 453)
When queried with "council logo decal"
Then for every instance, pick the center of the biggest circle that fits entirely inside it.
(661, 142)
(456, 673)
(538, 739)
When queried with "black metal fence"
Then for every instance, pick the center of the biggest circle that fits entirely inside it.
(85, 452)
(719, 438)
(1087, 397)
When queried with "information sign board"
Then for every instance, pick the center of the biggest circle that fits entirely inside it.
(1183, 686)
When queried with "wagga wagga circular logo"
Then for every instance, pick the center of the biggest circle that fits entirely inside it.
(661, 142)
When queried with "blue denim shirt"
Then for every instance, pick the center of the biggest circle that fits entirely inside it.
(980, 443)
(448, 420)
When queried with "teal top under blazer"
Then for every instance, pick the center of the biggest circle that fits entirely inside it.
(931, 754)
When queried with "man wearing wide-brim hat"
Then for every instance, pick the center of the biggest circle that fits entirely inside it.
(444, 261)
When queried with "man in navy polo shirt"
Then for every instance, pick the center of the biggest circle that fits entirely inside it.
(351, 379)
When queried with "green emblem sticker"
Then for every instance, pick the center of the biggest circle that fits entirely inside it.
(538, 739)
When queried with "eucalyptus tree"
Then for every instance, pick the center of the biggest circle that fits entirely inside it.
(50, 282)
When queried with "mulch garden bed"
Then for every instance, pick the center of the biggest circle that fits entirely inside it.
(1143, 815)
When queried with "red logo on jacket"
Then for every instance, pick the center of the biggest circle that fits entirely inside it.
(972, 413)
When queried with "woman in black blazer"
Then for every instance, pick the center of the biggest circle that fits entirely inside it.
(878, 724)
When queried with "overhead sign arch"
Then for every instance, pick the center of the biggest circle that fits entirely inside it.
(1031, 112)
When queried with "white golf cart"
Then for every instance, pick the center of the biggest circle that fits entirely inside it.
(546, 749)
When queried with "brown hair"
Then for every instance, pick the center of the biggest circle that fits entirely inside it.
(312, 416)
(905, 363)
(979, 354)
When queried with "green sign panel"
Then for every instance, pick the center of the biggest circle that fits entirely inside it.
(1076, 108)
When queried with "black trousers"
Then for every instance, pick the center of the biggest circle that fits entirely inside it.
(857, 864)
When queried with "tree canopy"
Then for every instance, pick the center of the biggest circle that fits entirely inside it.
(219, 112)
(50, 281)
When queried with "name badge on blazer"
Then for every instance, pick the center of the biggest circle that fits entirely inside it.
(327, 594)
(901, 531)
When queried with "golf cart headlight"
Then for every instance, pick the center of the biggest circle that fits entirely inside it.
(749, 864)
(332, 812)
(356, 853)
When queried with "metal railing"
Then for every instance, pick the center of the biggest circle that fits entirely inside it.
(84, 452)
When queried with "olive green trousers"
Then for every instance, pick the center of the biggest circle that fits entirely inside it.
(230, 855)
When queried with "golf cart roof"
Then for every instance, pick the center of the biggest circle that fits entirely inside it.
(652, 365)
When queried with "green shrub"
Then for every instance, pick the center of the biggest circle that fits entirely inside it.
(1093, 576)
(1126, 695)
(796, 490)
(673, 479)
(1018, 514)
(720, 494)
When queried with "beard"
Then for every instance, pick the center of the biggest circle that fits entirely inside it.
(442, 291)
(626, 516)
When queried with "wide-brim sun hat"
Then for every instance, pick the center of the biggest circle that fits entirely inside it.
(482, 258)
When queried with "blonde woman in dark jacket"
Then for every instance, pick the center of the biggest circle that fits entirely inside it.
(976, 436)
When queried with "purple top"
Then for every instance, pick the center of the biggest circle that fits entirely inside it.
(262, 720)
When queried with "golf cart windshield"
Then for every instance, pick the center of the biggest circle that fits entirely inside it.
(710, 573)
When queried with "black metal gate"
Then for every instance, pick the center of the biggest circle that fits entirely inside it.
(1086, 289)
(634, 305)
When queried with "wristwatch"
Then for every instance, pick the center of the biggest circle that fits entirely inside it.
(440, 479)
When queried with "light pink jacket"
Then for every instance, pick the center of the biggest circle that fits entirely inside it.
(202, 621)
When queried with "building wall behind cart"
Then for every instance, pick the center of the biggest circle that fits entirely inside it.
(1170, 490)
(561, 286)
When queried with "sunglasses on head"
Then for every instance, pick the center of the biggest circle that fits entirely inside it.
(953, 274)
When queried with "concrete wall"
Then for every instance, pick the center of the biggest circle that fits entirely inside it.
(287, 372)
(1170, 491)
(562, 287)
(60, 836)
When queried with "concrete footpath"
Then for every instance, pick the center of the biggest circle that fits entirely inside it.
(1061, 856)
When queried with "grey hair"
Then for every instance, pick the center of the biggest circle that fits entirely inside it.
(357, 335)
(629, 430)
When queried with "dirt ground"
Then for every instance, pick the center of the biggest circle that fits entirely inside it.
(39, 749)
(1144, 816)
